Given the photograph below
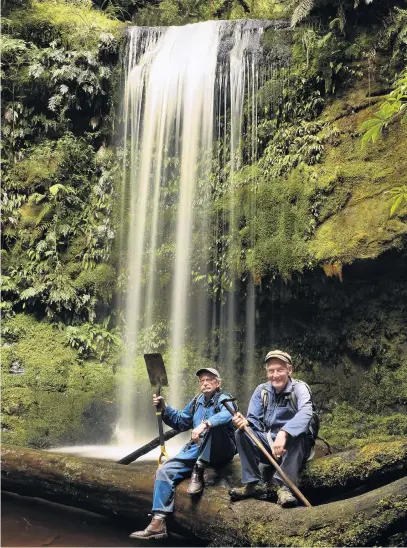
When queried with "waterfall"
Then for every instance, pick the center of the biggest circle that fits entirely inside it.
(185, 90)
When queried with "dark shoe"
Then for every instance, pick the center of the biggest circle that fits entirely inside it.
(196, 484)
(211, 476)
(285, 498)
(256, 490)
(156, 530)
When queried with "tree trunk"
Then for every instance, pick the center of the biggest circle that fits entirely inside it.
(126, 491)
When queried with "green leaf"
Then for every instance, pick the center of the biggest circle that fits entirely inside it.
(396, 205)
(36, 198)
(54, 189)
(372, 134)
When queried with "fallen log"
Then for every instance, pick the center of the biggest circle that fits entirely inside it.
(370, 466)
(114, 490)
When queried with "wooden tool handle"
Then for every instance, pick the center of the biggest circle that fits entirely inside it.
(229, 408)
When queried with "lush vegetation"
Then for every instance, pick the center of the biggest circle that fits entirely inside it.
(60, 180)
(330, 215)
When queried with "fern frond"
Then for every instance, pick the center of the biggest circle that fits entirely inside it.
(301, 11)
(45, 214)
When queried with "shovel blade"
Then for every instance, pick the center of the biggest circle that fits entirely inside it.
(156, 369)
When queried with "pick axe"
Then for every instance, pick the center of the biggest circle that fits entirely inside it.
(287, 480)
(158, 378)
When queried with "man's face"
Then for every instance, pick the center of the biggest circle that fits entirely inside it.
(278, 373)
(208, 384)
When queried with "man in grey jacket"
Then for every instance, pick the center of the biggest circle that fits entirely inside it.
(280, 412)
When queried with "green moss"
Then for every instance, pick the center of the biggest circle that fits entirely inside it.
(100, 279)
(347, 427)
(333, 211)
(43, 405)
(374, 456)
(73, 24)
(173, 12)
(39, 167)
(356, 219)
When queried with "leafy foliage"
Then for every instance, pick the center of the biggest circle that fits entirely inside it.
(93, 341)
(399, 197)
(302, 8)
(58, 73)
(292, 145)
(394, 107)
(39, 235)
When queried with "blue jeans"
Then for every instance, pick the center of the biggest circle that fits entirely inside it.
(217, 449)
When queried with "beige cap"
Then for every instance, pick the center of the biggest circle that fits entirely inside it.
(210, 370)
(280, 355)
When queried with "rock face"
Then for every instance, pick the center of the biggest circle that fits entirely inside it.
(112, 489)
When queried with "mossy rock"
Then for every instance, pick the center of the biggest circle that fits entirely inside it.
(358, 224)
(333, 212)
(75, 25)
(48, 390)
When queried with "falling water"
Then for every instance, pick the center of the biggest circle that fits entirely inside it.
(184, 90)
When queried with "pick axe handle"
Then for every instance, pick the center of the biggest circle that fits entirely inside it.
(287, 480)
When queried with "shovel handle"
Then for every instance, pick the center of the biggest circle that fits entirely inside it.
(163, 453)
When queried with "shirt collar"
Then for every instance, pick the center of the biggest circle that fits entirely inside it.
(202, 400)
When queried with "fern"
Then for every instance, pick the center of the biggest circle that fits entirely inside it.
(301, 11)
(394, 106)
(398, 199)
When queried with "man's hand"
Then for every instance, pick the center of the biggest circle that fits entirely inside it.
(159, 402)
(240, 421)
(196, 432)
(279, 444)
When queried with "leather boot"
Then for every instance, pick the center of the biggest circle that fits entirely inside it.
(196, 484)
(255, 490)
(155, 530)
(285, 498)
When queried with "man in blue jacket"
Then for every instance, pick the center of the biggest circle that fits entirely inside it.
(212, 443)
(281, 426)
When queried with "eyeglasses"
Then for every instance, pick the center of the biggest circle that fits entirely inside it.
(204, 380)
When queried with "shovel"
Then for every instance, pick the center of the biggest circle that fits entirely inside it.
(158, 378)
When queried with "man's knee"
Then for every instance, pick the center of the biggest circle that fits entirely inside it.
(165, 472)
(220, 449)
(241, 438)
(298, 446)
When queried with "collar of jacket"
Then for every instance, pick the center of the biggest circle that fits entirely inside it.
(201, 399)
(287, 390)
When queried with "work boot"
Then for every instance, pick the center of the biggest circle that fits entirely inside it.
(256, 490)
(196, 484)
(285, 498)
(155, 530)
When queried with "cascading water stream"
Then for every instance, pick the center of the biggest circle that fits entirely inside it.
(190, 105)
(184, 91)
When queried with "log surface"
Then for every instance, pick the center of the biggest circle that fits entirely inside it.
(114, 490)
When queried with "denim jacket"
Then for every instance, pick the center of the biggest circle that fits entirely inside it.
(187, 418)
(279, 413)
